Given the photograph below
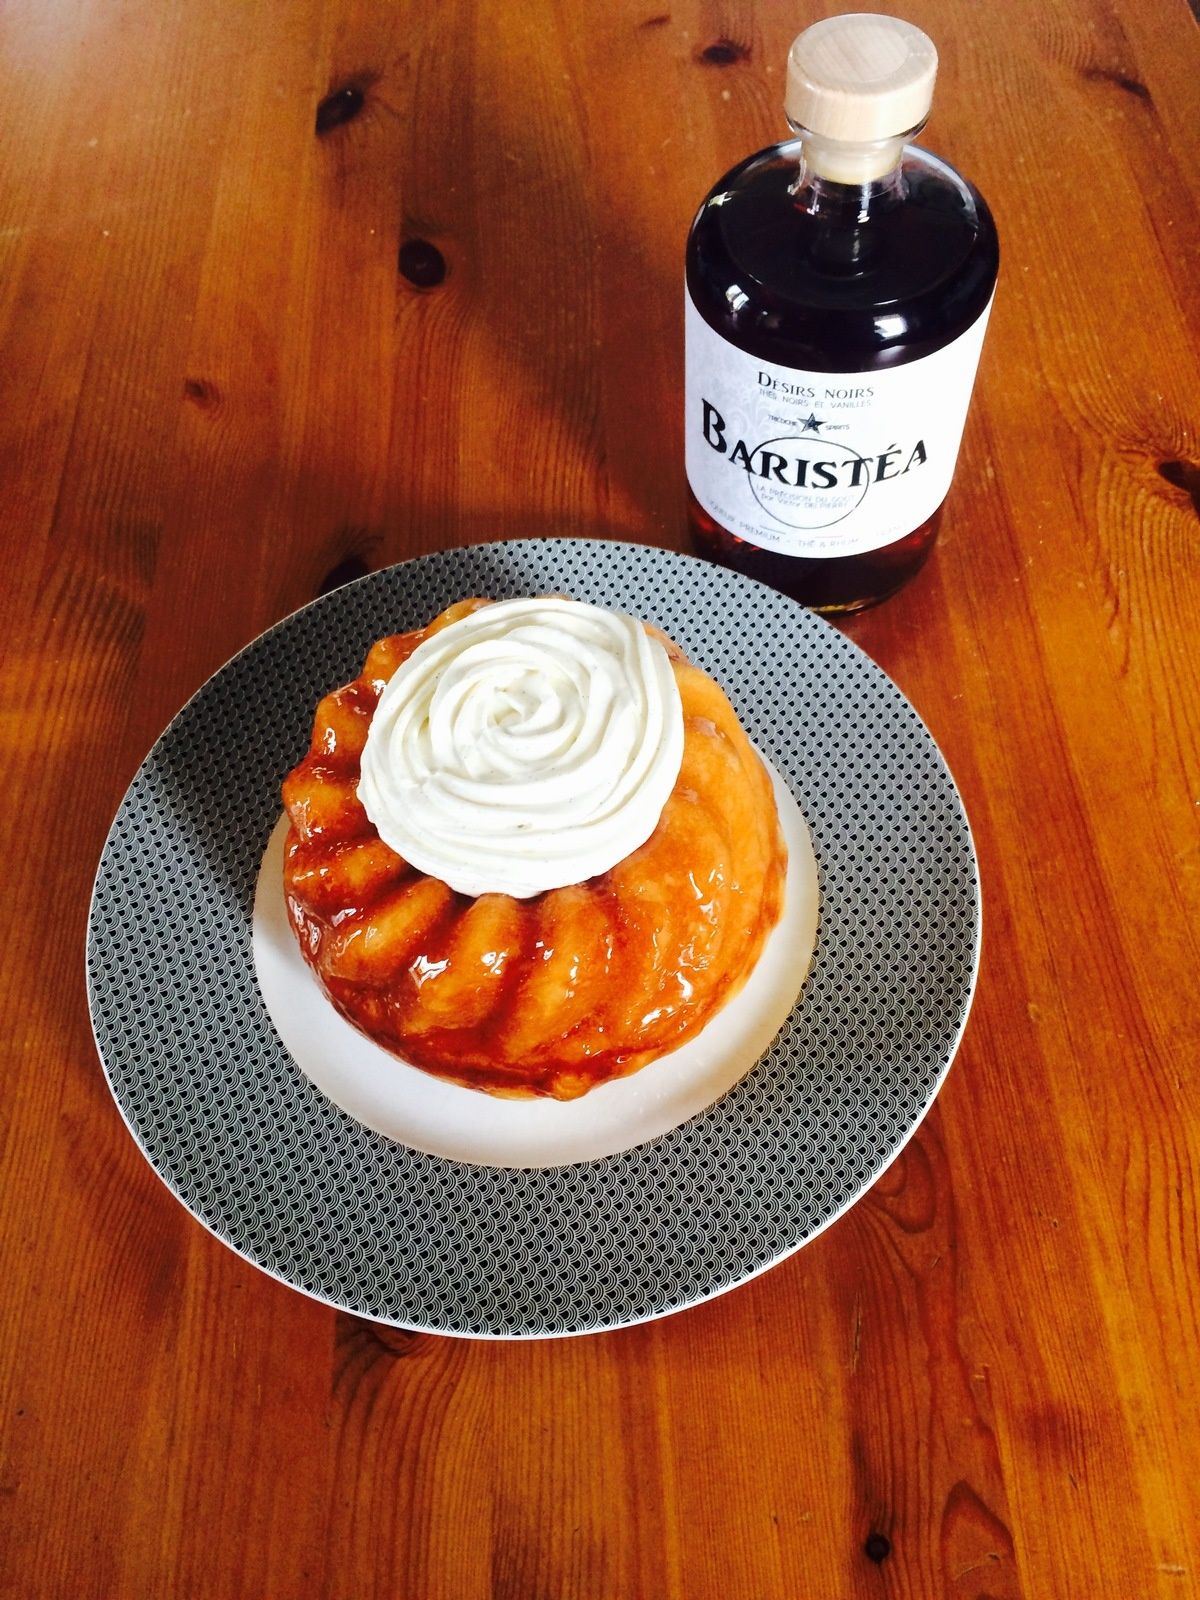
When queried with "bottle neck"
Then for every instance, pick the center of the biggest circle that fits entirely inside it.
(842, 241)
(845, 181)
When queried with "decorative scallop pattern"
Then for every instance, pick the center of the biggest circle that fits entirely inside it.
(275, 1170)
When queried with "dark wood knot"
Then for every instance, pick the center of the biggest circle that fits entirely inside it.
(422, 263)
(1183, 475)
(339, 107)
(1133, 86)
(877, 1548)
(201, 392)
(725, 53)
(353, 566)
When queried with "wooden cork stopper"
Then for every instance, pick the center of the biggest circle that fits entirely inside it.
(860, 78)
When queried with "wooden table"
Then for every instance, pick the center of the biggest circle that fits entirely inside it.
(295, 290)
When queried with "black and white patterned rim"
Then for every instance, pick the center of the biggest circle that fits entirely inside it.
(300, 1189)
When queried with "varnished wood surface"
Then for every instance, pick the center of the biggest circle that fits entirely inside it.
(217, 394)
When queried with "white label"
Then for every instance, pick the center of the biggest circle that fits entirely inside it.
(822, 463)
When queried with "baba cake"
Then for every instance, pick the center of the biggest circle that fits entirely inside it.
(530, 847)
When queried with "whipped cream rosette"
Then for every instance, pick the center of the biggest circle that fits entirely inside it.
(530, 745)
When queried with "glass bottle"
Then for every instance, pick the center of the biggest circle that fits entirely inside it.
(838, 290)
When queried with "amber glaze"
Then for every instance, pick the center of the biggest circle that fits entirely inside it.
(551, 995)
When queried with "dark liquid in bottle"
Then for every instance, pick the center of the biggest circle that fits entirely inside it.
(819, 286)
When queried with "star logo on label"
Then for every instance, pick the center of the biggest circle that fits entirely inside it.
(812, 424)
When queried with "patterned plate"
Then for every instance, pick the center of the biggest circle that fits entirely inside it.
(259, 1156)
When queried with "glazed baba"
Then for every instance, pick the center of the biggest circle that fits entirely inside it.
(530, 847)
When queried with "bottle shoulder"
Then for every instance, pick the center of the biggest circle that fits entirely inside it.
(836, 296)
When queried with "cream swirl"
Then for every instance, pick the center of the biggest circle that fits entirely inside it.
(529, 745)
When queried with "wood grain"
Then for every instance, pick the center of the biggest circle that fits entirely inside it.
(291, 292)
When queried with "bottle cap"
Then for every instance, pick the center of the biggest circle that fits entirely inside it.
(860, 77)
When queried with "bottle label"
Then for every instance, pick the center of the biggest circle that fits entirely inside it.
(822, 463)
